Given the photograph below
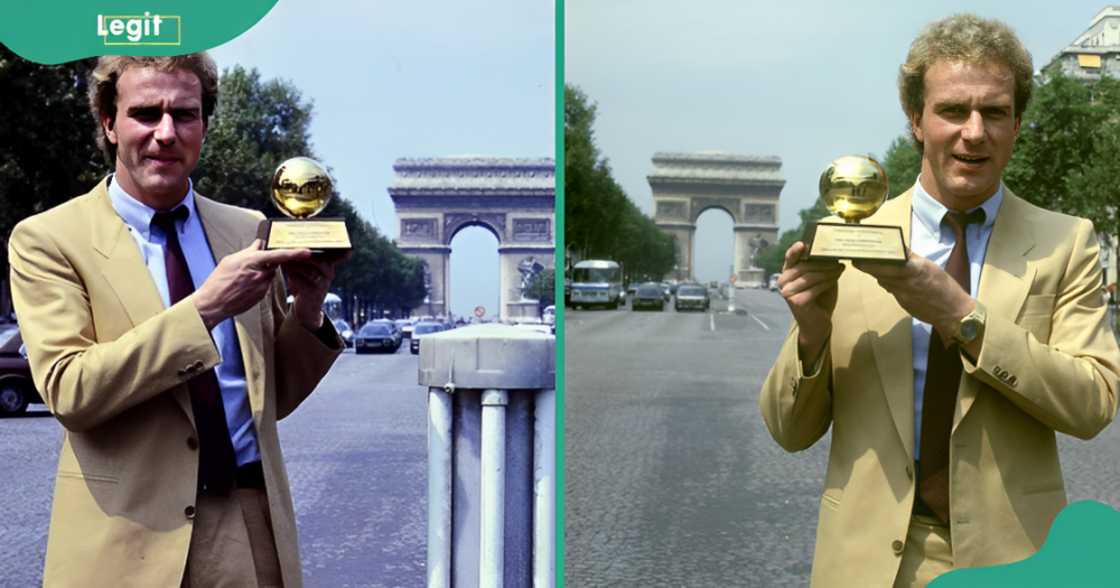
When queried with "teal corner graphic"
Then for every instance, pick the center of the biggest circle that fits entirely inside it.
(57, 31)
(1079, 551)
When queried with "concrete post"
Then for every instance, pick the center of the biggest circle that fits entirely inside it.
(491, 464)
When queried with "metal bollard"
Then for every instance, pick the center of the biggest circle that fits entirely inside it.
(491, 456)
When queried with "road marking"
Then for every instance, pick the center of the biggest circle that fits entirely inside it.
(712, 321)
(759, 321)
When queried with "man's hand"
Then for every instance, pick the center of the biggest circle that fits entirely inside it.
(309, 280)
(924, 290)
(241, 280)
(809, 288)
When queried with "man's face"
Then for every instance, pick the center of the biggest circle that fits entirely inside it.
(158, 132)
(969, 126)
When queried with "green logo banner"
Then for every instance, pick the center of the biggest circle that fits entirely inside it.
(56, 31)
(1079, 551)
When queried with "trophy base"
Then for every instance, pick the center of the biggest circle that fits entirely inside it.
(321, 235)
(838, 241)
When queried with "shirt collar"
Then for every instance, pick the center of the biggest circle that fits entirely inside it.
(929, 211)
(138, 215)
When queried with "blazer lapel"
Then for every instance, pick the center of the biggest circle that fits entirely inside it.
(126, 273)
(122, 265)
(1005, 279)
(224, 240)
(889, 325)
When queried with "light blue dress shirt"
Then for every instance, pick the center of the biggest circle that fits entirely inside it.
(137, 217)
(934, 241)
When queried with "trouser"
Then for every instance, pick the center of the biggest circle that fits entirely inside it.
(928, 552)
(232, 543)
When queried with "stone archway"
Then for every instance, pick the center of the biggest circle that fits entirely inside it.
(746, 187)
(512, 198)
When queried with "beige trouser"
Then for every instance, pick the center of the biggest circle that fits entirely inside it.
(928, 553)
(232, 543)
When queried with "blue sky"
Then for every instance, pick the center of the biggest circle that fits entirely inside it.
(414, 79)
(806, 81)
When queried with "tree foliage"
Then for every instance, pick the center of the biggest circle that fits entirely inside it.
(1065, 157)
(902, 163)
(47, 152)
(600, 221)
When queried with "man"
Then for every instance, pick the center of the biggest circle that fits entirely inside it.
(158, 334)
(944, 379)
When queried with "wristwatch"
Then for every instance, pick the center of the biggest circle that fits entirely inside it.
(971, 327)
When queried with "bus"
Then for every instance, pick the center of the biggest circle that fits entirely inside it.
(597, 282)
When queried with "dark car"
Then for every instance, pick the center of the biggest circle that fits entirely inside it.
(650, 295)
(377, 338)
(419, 331)
(692, 297)
(16, 388)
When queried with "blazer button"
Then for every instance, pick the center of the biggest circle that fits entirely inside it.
(189, 512)
(192, 443)
(896, 545)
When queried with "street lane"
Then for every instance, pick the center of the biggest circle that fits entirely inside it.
(356, 452)
(671, 476)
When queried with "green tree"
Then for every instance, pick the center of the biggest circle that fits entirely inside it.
(902, 163)
(47, 153)
(1065, 155)
(600, 220)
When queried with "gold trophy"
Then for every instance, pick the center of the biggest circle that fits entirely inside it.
(301, 189)
(853, 187)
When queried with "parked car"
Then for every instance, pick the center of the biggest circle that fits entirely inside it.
(377, 337)
(774, 283)
(549, 316)
(421, 329)
(344, 331)
(16, 388)
(649, 295)
(692, 297)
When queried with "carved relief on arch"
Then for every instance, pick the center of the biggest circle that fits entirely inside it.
(671, 209)
(756, 213)
(419, 230)
(494, 221)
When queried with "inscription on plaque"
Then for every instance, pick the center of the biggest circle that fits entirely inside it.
(532, 229)
(412, 228)
(758, 213)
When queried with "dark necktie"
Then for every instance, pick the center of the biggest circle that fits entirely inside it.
(943, 377)
(216, 462)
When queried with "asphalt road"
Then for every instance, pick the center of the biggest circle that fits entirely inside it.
(672, 478)
(356, 453)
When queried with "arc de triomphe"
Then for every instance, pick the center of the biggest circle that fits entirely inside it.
(747, 187)
(512, 198)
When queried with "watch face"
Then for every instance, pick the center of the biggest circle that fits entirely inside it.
(969, 329)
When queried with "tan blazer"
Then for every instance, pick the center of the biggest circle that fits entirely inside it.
(112, 362)
(1048, 363)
